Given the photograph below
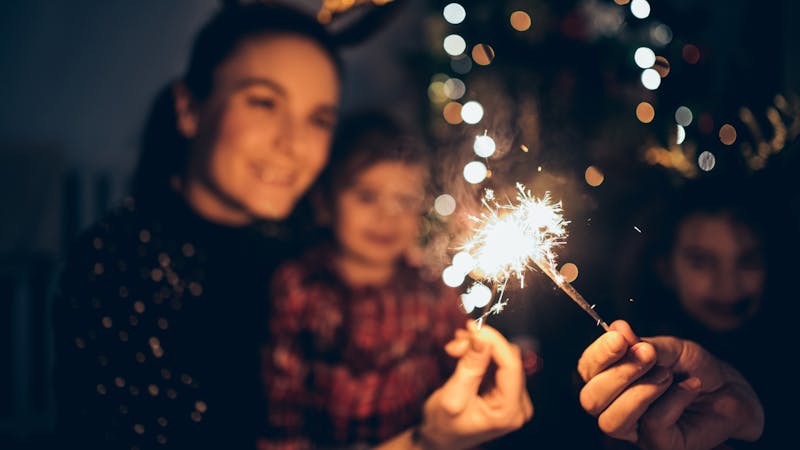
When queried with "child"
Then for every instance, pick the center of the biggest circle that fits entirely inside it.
(357, 333)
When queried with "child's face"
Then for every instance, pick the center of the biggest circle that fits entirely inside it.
(717, 270)
(378, 215)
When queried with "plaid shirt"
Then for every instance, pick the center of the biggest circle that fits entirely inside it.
(351, 367)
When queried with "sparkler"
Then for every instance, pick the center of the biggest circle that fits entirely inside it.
(509, 238)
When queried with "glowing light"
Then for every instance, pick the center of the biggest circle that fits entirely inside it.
(661, 34)
(444, 205)
(727, 134)
(461, 64)
(484, 146)
(651, 79)
(483, 54)
(463, 261)
(509, 239)
(690, 53)
(644, 57)
(454, 88)
(472, 112)
(475, 172)
(683, 116)
(645, 112)
(520, 21)
(454, 44)
(640, 9)
(452, 276)
(569, 271)
(454, 13)
(452, 113)
(436, 92)
(681, 135)
(706, 161)
(622, 2)
(477, 296)
(593, 176)
(662, 66)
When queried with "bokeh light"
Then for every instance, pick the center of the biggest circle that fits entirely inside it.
(681, 135)
(475, 172)
(683, 116)
(453, 88)
(454, 44)
(622, 2)
(484, 146)
(452, 113)
(464, 262)
(706, 160)
(569, 271)
(461, 64)
(520, 21)
(662, 66)
(454, 13)
(436, 92)
(645, 112)
(444, 205)
(651, 79)
(690, 53)
(727, 134)
(644, 57)
(452, 276)
(483, 54)
(477, 296)
(640, 9)
(661, 35)
(472, 112)
(593, 176)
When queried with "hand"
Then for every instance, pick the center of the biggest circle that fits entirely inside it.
(460, 415)
(665, 393)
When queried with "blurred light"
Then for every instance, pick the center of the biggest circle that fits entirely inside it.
(645, 112)
(593, 176)
(475, 172)
(464, 262)
(690, 53)
(454, 44)
(444, 204)
(520, 21)
(436, 92)
(622, 2)
(640, 9)
(484, 146)
(569, 271)
(706, 160)
(683, 116)
(523, 147)
(727, 134)
(461, 64)
(644, 57)
(454, 88)
(477, 296)
(454, 13)
(661, 34)
(651, 79)
(662, 66)
(472, 112)
(452, 113)
(482, 54)
(452, 276)
(681, 135)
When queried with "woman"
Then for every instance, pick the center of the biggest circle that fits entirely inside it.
(162, 310)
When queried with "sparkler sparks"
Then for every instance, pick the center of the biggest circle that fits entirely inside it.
(510, 238)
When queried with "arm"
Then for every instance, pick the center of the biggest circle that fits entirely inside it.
(665, 392)
(461, 415)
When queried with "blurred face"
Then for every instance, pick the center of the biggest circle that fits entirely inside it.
(717, 270)
(263, 135)
(377, 217)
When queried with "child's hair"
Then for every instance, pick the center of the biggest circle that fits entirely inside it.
(363, 140)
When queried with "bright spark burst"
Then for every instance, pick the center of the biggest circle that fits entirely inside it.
(510, 238)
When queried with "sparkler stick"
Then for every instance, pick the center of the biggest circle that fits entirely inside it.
(510, 237)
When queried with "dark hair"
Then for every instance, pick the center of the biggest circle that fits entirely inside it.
(364, 139)
(164, 151)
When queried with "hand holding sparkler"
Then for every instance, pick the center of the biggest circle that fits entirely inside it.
(508, 238)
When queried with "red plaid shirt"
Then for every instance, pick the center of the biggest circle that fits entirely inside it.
(352, 366)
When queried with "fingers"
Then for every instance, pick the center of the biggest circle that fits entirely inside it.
(463, 384)
(601, 354)
(622, 327)
(603, 388)
(620, 419)
(459, 344)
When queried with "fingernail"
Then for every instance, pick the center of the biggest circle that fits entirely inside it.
(640, 352)
(691, 384)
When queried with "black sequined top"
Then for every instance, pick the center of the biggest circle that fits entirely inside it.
(158, 326)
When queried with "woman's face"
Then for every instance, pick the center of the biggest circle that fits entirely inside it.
(263, 134)
(377, 217)
(717, 269)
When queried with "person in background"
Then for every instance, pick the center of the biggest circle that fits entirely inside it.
(713, 280)
(159, 321)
